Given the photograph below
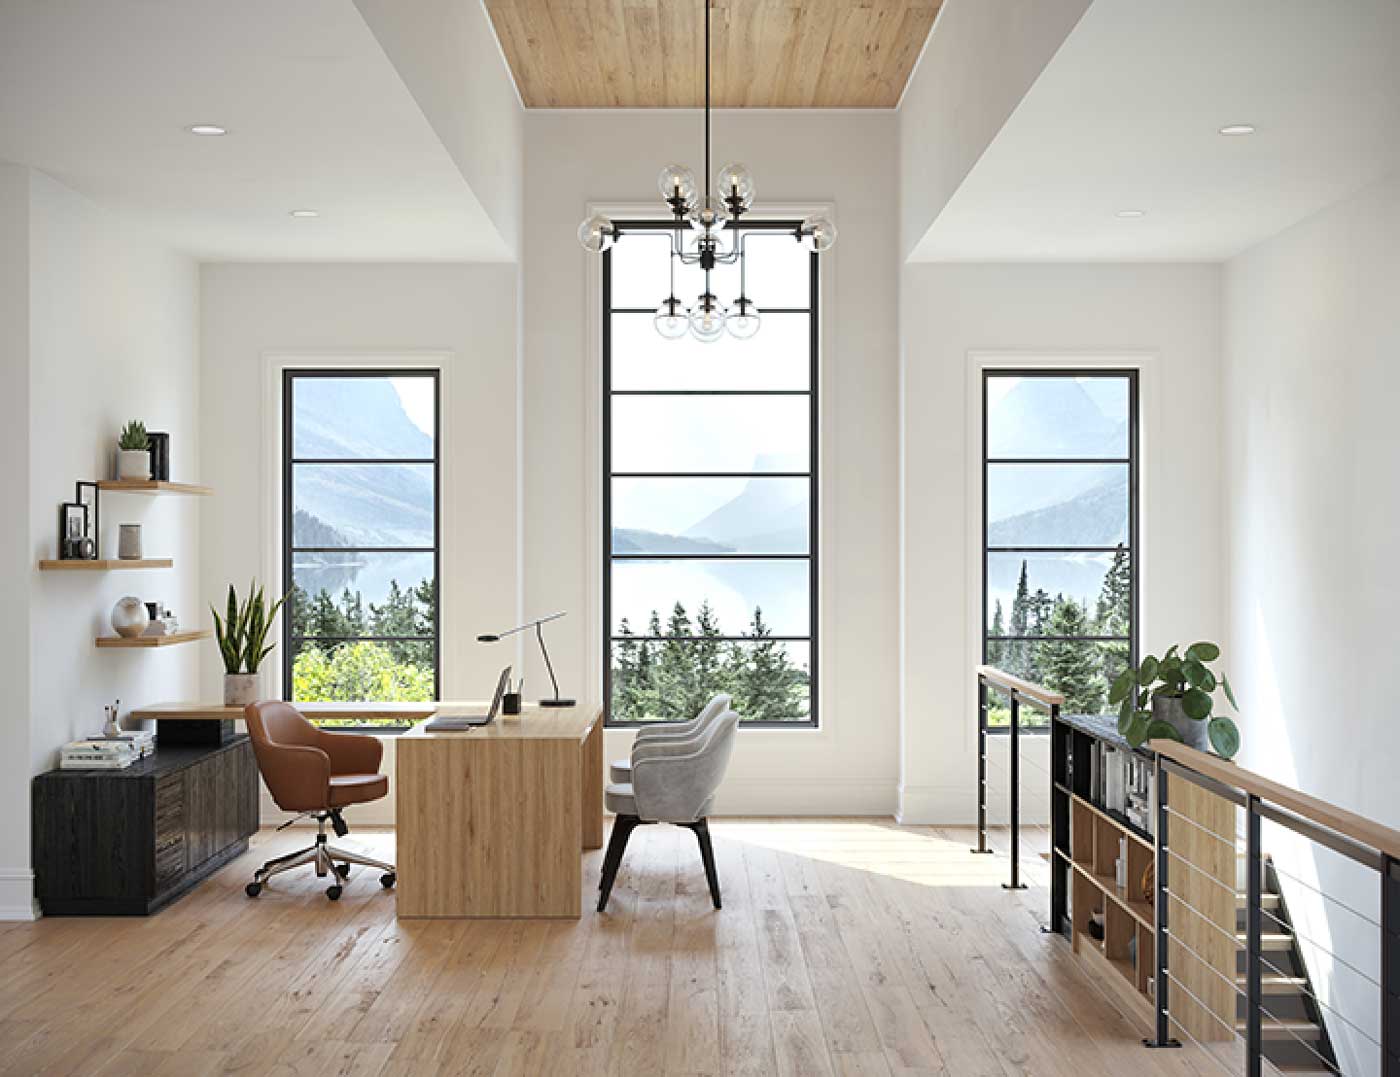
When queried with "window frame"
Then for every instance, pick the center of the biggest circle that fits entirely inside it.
(290, 374)
(812, 557)
(1133, 461)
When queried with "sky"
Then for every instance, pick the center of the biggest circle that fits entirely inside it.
(416, 396)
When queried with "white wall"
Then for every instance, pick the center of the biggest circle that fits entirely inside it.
(848, 160)
(111, 336)
(980, 60)
(1312, 455)
(461, 316)
(1168, 317)
(16, 570)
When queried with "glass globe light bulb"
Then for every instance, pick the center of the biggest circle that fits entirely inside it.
(743, 320)
(672, 319)
(735, 181)
(707, 321)
(822, 231)
(597, 233)
(710, 215)
(677, 182)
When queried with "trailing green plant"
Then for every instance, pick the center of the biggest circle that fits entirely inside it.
(1184, 676)
(242, 630)
(133, 437)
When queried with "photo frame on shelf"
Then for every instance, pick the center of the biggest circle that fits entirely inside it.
(72, 531)
(86, 494)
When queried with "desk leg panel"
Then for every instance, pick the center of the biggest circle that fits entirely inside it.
(489, 828)
(593, 768)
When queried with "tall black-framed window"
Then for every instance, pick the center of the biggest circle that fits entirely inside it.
(1060, 561)
(361, 478)
(710, 514)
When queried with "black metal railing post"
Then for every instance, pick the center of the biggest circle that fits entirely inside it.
(1254, 932)
(1160, 1001)
(1059, 870)
(1390, 966)
(981, 766)
(1015, 768)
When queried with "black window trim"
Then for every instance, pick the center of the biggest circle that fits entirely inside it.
(1133, 462)
(812, 475)
(290, 375)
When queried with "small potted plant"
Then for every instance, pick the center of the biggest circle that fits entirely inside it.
(1179, 688)
(134, 455)
(242, 637)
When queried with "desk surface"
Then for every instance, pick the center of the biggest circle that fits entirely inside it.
(403, 712)
(536, 723)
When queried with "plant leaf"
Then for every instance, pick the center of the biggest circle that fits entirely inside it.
(1195, 672)
(1137, 731)
(1147, 672)
(1122, 685)
(1224, 737)
(1196, 704)
(1125, 717)
(1229, 693)
(1160, 730)
(1203, 651)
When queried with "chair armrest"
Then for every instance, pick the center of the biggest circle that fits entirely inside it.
(662, 748)
(351, 753)
(666, 786)
(666, 730)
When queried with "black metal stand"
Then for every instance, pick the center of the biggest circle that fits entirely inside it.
(1163, 1037)
(1015, 767)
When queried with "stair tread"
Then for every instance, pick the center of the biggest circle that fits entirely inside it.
(1274, 1029)
(1267, 901)
(1270, 940)
(1276, 981)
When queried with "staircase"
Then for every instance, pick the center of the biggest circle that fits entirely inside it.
(1293, 1020)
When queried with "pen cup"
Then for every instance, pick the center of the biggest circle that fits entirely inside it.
(510, 703)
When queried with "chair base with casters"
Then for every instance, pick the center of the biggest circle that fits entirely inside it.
(328, 859)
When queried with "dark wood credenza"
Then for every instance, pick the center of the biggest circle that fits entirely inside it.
(128, 842)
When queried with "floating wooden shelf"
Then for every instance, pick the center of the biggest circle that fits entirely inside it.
(154, 641)
(105, 565)
(154, 486)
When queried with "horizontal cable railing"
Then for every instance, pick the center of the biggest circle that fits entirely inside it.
(1304, 956)
(1019, 691)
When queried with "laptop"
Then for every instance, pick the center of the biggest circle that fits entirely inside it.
(468, 721)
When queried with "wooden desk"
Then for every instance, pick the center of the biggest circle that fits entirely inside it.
(491, 821)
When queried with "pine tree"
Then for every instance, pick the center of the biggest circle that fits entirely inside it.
(675, 679)
(624, 675)
(995, 648)
(1018, 652)
(1114, 615)
(766, 685)
(1071, 667)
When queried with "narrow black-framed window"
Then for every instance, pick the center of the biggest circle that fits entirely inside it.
(1060, 552)
(710, 488)
(361, 526)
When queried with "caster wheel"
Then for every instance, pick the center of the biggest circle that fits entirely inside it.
(333, 892)
(388, 880)
(343, 870)
(253, 889)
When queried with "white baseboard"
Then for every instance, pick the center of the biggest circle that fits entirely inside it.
(17, 895)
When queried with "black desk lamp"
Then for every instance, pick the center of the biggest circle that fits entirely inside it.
(539, 634)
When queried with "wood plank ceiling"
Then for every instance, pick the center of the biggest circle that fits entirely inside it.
(767, 53)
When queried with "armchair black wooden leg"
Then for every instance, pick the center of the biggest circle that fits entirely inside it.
(707, 854)
(622, 829)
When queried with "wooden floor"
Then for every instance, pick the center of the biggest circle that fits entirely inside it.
(845, 947)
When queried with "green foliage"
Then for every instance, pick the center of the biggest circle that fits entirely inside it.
(133, 437)
(671, 679)
(1179, 675)
(243, 629)
(1080, 670)
(358, 671)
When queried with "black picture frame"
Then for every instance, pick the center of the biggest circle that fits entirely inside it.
(72, 530)
(86, 493)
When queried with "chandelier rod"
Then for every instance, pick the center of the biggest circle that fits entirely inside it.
(707, 100)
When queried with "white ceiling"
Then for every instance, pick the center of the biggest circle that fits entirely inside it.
(1125, 116)
(97, 93)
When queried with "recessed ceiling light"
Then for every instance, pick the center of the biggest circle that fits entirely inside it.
(1237, 129)
(1125, 213)
(305, 213)
(207, 129)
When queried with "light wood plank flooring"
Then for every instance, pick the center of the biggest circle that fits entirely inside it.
(847, 947)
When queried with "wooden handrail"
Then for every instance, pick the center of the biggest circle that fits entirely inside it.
(1349, 824)
(1005, 680)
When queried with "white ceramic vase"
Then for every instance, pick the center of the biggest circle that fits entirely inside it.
(240, 689)
(129, 617)
(133, 463)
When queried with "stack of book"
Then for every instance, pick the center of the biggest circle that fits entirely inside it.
(107, 753)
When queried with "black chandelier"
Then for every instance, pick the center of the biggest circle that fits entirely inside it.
(706, 216)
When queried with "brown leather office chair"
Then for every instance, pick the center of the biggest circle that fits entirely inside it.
(314, 772)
